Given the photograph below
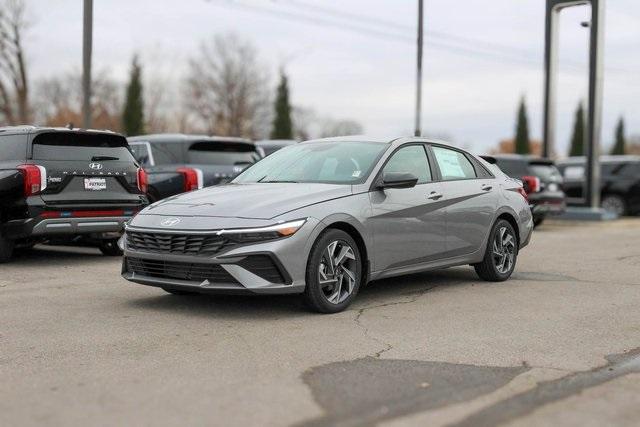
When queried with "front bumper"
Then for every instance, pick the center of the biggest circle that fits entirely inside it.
(271, 267)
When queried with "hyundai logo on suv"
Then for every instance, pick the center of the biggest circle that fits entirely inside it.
(95, 166)
(169, 222)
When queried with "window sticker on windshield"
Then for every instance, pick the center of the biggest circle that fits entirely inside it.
(356, 174)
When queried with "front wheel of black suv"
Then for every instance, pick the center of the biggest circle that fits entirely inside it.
(110, 247)
(501, 253)
(334, 272)
(6, 249)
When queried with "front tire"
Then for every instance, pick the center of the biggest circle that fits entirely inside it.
(501, 253)
(334, 272)
(110, 247)
(6, 249)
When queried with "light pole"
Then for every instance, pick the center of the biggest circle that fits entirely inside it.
(419, 73)
(87, 32)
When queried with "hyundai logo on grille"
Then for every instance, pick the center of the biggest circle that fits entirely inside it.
(169, 222)
(96, 166)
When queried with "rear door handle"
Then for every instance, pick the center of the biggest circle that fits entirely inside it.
(434, 196)
(486, 187)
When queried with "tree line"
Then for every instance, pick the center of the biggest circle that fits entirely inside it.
(522, 142)
(226, 91)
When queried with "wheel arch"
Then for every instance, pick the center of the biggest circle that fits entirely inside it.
(507, 216)
(351, 230)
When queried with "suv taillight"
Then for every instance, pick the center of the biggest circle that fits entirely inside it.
(192, 178)
(34, 179)
(143, 181)
(531, 184)
(523, 193)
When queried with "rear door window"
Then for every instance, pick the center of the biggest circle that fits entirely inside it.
(453, 164)
(80, 146)
(13, 147)
(222, 153)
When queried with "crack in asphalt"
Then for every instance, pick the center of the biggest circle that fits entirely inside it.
(367, 333)
(547, 392)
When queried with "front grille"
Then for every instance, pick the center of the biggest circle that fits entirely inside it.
(263, 266)
(192, 272)
(177, 244)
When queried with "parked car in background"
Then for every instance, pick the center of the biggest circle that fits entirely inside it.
(619, 183)
(541, 180)
(176, 163)
(270, 146)
(325, 217)
(58, 185)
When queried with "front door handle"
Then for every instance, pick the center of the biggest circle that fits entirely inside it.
(486, 187)
(434, 196)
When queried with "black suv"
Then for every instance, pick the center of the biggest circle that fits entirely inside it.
(541, 180)
(57, 184)
(176, 163)
(619, 184)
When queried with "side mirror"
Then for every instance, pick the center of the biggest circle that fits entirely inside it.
(398, 180)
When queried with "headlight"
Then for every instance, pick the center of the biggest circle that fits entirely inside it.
(248, 235)
(121, 242)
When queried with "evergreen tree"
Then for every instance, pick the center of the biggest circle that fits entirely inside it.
(619, 145)
(522, 130)
(577, 139)
(282, 125)
(133, 112)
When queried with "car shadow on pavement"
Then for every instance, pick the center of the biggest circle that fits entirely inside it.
(271, 307)
(45, 254)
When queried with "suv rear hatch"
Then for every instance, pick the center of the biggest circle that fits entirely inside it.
(221, 161)
(88, 169)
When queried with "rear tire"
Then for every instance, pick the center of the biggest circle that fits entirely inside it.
(6, 249)
(334, 272)
(500, 255)
(615, 204)
(110, 247)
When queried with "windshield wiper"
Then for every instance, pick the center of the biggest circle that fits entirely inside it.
(103, 158)
(278, 181)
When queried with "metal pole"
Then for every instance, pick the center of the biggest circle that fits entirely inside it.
(596, 68)
(419, 73)
(87, 32)
(550, 79)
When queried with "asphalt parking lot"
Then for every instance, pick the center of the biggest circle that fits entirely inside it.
(557, 344)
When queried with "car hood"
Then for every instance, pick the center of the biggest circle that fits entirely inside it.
(255, 200)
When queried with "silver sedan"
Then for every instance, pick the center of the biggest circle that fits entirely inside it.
(322, 218)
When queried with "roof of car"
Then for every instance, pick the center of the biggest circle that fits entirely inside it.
(181, 137)
(382, 139)
(40, 129)
(605, 159)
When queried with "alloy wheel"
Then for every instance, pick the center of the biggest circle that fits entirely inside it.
(337, 271)
(613, 204)
(504, 250)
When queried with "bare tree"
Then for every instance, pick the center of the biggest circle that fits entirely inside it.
(58, 101)
(14, 88)
(332, 127)
(228, 88)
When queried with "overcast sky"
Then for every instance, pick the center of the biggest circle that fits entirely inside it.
(356, 59)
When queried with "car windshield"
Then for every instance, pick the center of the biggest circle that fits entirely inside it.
(322, 162)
